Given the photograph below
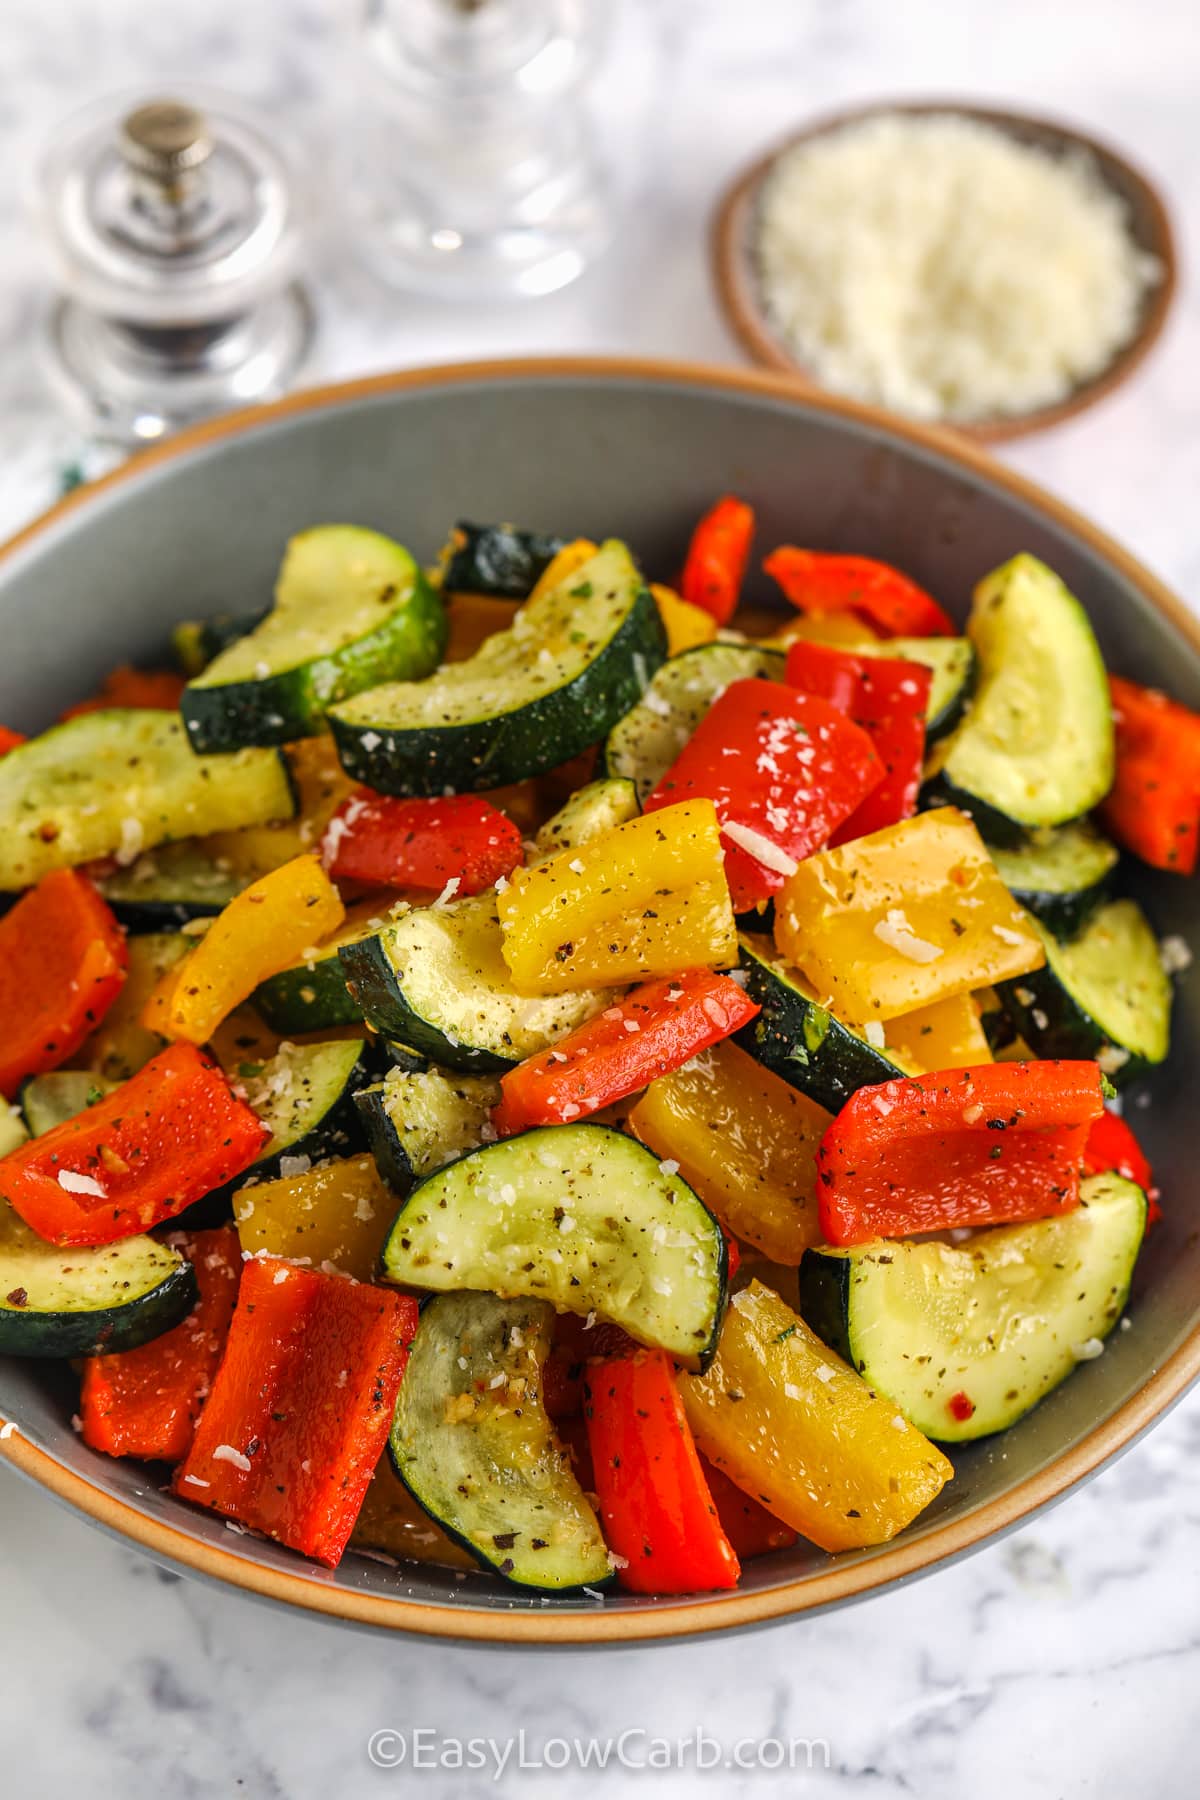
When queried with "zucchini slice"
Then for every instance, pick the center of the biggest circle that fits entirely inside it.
(573, 661)
(642, 746)
(119, 782)
(579, 1215)
(13, 1129)
(799, 1039)
(305, 1095)
(496, 559)
(472, 1442)
(417, 1121)
(1104, 994)
(351, 609)
(313, 996)
(48, 1100)
(591, 811)
(56, 1302)
(1060, 875)
(195, 642)
(167, 887)
(1036, 746)
(992, 1324)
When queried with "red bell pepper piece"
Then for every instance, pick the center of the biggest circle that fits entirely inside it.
(576, 1343)
(655, 1506)
(716, 560)
(887, 696)
(155, 689)
(785, 768)
(819, 581)
(982, 1146)
(1111, 1145)
(167, 1136)
(301, 1405)
(656, 1028)
(1153, 807)
(62, 964)
(750, 1528)
(9, 739)
(146, 1402)
(421, 843)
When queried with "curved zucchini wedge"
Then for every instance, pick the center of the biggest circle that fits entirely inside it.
(313, 996)
(169, 886)
(799, 1039)
(1036, 746)
(56, 1302)
(579, 1215)
(1061, 875)
(195, 642)
(48, 1100)
(591, 811)
(305, 1095)
(991, 1325)
(642, 746)
(122, 781)
(1104, 994)
(473, 1444)
(496, 559)
(418, 1120)
(351, 609)
(573, 661)
(437, 981)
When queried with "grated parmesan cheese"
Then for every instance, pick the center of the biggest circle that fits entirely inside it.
(760, 848)
(896, 932)
(937, 266)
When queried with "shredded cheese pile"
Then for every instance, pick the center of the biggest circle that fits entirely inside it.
(935, 265)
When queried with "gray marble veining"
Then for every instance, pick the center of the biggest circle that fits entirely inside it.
(1064, 1661)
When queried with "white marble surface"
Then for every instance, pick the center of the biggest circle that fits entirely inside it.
(1062, 1662)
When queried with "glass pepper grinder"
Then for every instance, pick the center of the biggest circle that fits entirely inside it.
(175, 234)
(473, 168)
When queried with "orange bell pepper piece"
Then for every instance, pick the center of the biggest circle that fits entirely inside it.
(62, 964)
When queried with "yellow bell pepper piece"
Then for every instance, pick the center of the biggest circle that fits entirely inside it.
(338, 1215)
(321, 785)
(947, 1035)
(391, 1520)
(686, 625)
(797, 1427)
(825, 628)
(745, 1141)
(121, 1044)
(265, 928)
(912, 914)
(472, 620)
(649, 898)
(560, 567)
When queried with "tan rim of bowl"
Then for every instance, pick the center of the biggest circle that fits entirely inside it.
(739, 289)
(839, 1582)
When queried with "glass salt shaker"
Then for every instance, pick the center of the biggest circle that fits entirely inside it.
(175, 231)
(472, 166)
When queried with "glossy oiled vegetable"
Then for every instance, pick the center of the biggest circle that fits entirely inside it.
(336, 1216)
(914, 914)
(62, 964)
(416, 1120)
(946, 1035)
(745, 1141)
(649, 898)
(793, 1424)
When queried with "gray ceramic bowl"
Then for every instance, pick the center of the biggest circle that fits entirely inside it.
(636, 449)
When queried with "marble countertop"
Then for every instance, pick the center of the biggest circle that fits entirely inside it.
(1064, 1661)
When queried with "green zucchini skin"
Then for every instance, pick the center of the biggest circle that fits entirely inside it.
(384, 1003)
(164, 891)
(304, 999)
(1121, 1017)
(494, 1477)
(197, 642)
(1062, 881)
(493, 1220)
(417, 1120)
(801, 1041)
(926, 1322)
(526, 730)
(85, 1301)
(236, 701)
(497, 559)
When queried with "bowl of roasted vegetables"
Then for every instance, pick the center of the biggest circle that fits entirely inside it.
(588, 1024)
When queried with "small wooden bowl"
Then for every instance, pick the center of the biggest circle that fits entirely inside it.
(739, 288)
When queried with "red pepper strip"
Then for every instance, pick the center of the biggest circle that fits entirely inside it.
(750, 1528)
(817, 581)
(421, 843)
(1153, 808)
(62, 964)
(9, 740)
(155, 689)
(146, 1402)
(300, 1408)
(655, 1507)
(167, 1136)
(656, 1028)
(982, 1146)
(716, 560)
(887, 696)
(786, 767)
(1111, 1145)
